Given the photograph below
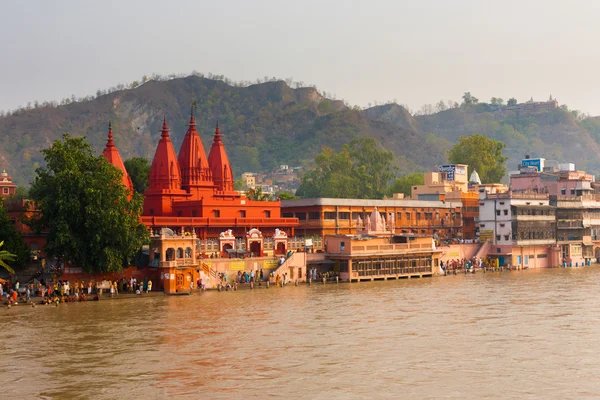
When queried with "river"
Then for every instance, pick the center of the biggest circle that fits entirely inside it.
(520, 334)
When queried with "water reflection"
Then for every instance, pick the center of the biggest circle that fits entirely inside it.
(501, 335)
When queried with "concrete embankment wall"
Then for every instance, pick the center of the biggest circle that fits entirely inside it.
(458, 251)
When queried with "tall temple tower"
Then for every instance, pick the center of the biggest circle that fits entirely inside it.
(112, 156)
(219, 164)
(165, 178)
(196, 176)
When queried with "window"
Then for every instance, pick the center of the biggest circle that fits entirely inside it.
(267, 214)
(344, 215)
(399, 216)
(288, 215)
(542, 255)
(216, 213)
(498, 213)
(505, 212)
(179, 213)
(194, 213)
(482, 225)
(467, 222)
(497, 238)
(301, 216)
(505, 237)
(572, 191)
(418, 216)
(526, 260)
(242, 213)
(408, 216)
(314, 215)
(5, 190)
(329, 215)
(563, 191)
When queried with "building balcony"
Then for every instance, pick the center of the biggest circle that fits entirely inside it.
(567, 224)
(535, 242)
(550, 218)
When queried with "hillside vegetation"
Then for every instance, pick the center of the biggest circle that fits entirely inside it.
(270, 123)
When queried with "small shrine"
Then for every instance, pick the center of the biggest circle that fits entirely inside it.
(280, 242)
(226, 241)
(176, 253)
(255, 242)
(375, 224)
(7, 187)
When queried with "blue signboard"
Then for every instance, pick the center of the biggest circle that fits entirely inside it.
(533, 162)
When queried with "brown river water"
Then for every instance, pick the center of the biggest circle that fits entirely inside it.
(509, 335)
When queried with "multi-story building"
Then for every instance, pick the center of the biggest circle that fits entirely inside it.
(451, 183)
(325, 216)
(249, 179)
(577, 207)
(578, 227)
(521, 228)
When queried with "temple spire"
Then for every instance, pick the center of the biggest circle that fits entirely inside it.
(110, 142)
(165, 129)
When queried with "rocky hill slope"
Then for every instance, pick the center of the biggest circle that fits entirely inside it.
(268, 124)
(263, 125)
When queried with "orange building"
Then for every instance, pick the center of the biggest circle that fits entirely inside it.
(193, 192)
(324, 216)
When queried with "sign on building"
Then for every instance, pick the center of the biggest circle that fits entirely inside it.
(452, 170)
(537, 163)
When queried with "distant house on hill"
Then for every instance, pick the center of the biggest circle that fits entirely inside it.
(534, 107)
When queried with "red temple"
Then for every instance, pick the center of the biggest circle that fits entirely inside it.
(112, 156)
(193, 192)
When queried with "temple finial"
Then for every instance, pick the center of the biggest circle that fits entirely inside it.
(165, 128)
(110, 142)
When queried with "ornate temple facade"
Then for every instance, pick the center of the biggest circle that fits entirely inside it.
(191, 192)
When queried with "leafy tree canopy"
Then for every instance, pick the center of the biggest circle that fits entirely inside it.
(482, 154)
(405, 183)
(138, 169)
(12, 240)
(6, 256)
(85, 209)
(360, 170)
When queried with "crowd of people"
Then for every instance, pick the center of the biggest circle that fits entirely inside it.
(64, 291)
(465, 265)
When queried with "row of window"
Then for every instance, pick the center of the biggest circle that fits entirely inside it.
(217, 213)
(344, 215)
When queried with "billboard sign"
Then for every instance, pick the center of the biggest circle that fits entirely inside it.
(452, 170)
(537, 163)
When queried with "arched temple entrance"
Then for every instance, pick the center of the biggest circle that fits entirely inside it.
(255, 248)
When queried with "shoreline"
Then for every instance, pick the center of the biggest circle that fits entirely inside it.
(37, 300)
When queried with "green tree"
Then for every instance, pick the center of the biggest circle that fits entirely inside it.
(257, 194)
(405, 183)
(469, 99)
(13, 242)
(482, 154)
(285, 196)
(6, 256)
(360, 170)
(512, 101)
(85, 209)
(138, 169)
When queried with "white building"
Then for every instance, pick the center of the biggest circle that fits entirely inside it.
(521, 228)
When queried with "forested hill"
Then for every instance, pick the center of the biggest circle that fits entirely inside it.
(263, 125)
(560, 134)
(268, 124)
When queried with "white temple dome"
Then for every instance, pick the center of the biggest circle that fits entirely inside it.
(475, 178)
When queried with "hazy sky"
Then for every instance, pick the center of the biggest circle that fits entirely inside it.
(416, 52)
